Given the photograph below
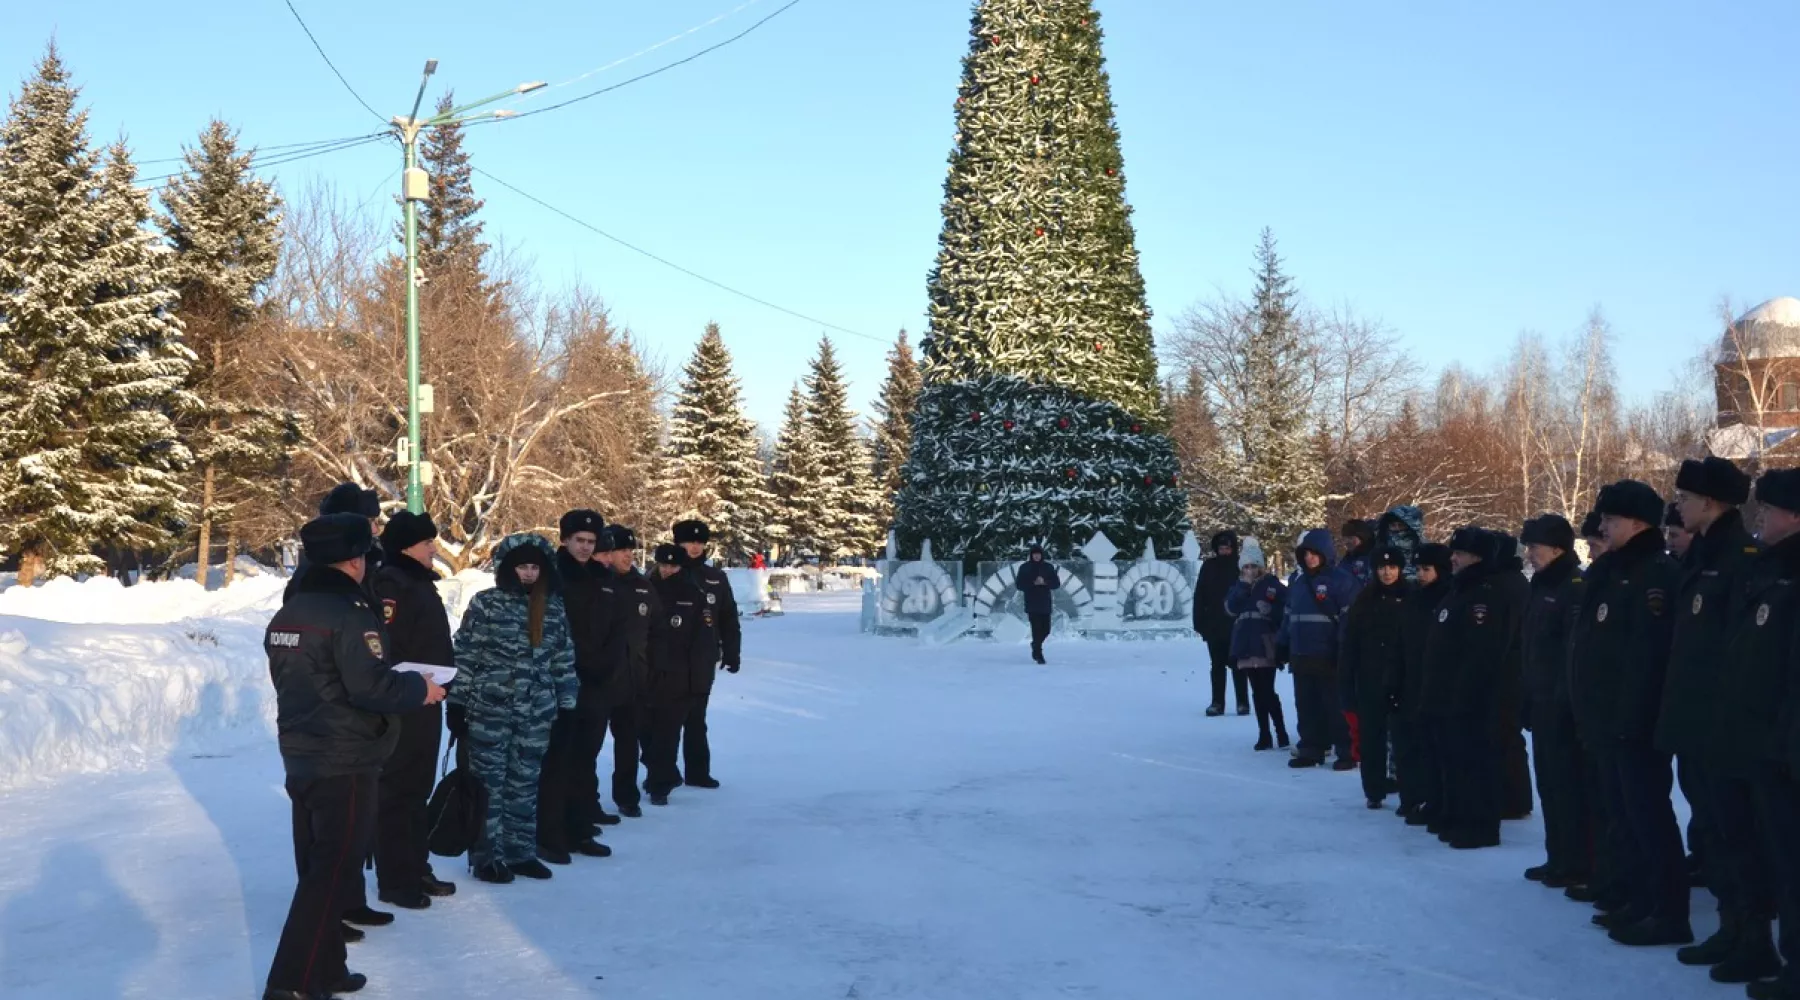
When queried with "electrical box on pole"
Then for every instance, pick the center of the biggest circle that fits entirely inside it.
(427, 399)
(415, 184)
(425, 473)
(402, 453)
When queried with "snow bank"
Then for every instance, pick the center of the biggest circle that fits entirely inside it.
(104, 599)
(97, 676)
(80, 698)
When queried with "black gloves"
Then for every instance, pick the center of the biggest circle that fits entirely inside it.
(457, 719)
(732, 667)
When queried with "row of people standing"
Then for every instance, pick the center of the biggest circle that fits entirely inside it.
(1672, 657)
(568, 644)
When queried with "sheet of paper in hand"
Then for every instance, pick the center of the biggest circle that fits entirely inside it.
(439, 675)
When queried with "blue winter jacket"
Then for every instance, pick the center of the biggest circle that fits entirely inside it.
(1316, 603)
(1256, 610)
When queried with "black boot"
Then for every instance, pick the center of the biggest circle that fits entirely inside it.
(1264, 742)
(1654, 932)
(1773, 989)
(530, 869)
(592, 848)
(1717, 948)
(605, 818)
(353, 982)
(1754, 957)
(1215, 710)
(435, 886)
(1243, 709)
(554, 855)
(368, 918)
(1539, 873)
(353, 933)
(494, 873)
(406, 900)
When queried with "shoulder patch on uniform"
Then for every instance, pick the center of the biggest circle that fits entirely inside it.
(1480, 612)
(284, 639)
(712, 598)
(373, 641)
(674, 621)
(643, 609)
(388, 607)
(1657, 599)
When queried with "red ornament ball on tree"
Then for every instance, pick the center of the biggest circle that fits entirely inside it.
(1063, 423)
(1034, 78)
(1040, 230)
(1007, 424)
(975, 418)
(1148, 481)
(1072, 473)
(1137, 428)
(1098, 346)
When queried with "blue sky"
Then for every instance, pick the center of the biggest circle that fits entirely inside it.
(1461, 171)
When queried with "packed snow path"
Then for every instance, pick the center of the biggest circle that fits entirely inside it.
(895, 822)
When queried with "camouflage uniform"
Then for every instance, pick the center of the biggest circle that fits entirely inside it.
(511, 693)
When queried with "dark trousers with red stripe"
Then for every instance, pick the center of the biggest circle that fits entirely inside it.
(334, 825)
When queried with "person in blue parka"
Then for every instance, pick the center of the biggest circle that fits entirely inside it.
(1319, 595)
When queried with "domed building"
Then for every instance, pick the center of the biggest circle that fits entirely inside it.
(1757, 382)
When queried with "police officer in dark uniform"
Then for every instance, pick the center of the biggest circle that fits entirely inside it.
(418, 631)
(634, 603)
(1556, 589)
(1719, 551)
(1415, 756)
(569, 812)
(1466, 648)
(336, 705)
(1515, 764)
(345, 498)
(1619, 662)
(1754, 743)
(1372, 652)
(722, 619)
(683, 648)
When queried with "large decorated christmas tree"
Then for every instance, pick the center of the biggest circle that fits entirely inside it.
(1041, 419)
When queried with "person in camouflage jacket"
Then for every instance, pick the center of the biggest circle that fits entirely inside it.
(517, 671)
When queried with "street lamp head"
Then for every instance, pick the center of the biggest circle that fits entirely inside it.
(526, 88)
(430, 66)
(505, 113)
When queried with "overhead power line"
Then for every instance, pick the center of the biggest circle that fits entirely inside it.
(329, 63)
(290, 157)
(672, 39)
(596, 230)
(284, 148)
(790, 5)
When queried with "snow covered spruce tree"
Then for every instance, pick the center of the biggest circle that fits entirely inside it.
(850, 496)
(224, 224)
(1041, 416)
(894, 410)
(796, 482)
(1282, 488)
(92, 364)
(712, 470)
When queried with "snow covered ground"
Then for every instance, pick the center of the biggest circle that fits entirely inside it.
(895, 822)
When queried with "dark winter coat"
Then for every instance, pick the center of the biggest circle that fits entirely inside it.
(721, 603)
(1407, 689)
(1402, 528)
(494, 655)
(588, 601)
(1467, 646)
(1217, 576)
(413, 613)
(1555, 600)
(640, 617)
(684, 653)
(1516, 590)
(1710, 576)
(1256, 610)
(1316, 603)
(1621, 650)
(1356, 567)
(336, 697)
(1754, 709)
(1374, 648)
(1035, 581)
